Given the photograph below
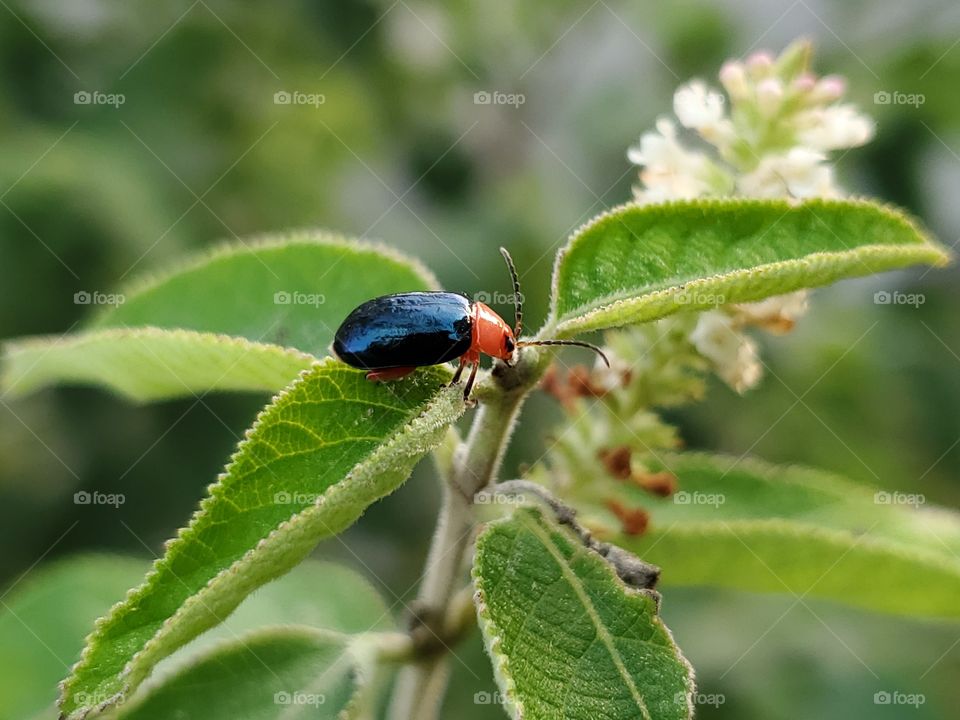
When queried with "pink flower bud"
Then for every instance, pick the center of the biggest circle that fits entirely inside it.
(805, 83)
(769, 95)
(830, 88)
(733, 76)
(760, 63)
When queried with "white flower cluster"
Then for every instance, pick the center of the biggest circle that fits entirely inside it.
(768, 136)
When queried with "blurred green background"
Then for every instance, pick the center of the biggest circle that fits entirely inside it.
(198, 152)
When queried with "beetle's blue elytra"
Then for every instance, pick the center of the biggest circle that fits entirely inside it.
(392, 335)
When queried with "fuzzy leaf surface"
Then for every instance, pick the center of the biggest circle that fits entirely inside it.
(289, 672)
(326, 447)
(41, 634)
(748, 525)
(639, 263)
(147, 364)
(290, 290)
(567, 638)
(323, 595)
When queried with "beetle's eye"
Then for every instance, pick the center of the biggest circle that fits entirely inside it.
(508, 343)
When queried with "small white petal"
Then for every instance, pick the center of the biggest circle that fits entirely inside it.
(670, 171)
(696, 106)
(800, 172)
(835, 127)
(733, 354)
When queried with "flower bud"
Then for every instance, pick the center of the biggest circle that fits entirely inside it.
(733, 76)
(830, 89)
(769, 96)
(760, 64)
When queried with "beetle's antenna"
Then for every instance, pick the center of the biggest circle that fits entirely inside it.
(576, 343)
(517, 297)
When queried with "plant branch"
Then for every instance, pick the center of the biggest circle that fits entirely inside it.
(419, 689)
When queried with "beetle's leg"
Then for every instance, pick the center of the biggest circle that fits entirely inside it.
(459, 372)
(389, 374)
(469, 386)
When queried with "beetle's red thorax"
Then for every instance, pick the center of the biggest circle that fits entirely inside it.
(490, 334)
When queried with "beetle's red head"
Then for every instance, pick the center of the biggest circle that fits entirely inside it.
(491, 335)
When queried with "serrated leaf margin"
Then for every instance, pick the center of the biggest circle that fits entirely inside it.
(926, 251)
(492, 639)
(420, 436)
(147, 332)
(266, 241)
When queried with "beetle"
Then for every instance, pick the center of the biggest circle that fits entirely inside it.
(392, 335)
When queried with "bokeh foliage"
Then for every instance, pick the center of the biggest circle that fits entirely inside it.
(199, 153)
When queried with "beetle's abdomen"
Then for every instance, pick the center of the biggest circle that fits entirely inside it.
(406, 330)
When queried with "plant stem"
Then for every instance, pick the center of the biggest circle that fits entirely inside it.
(419, 689)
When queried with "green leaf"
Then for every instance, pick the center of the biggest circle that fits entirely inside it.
(291, 290)
(145, 364)
(42, 623)
(275, 672)
(748, 525)
(319, 594)
(325, 449)
(638, 263)
(41, 635)
(567, 638)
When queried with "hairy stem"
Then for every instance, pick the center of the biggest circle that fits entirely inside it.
(420, 686)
